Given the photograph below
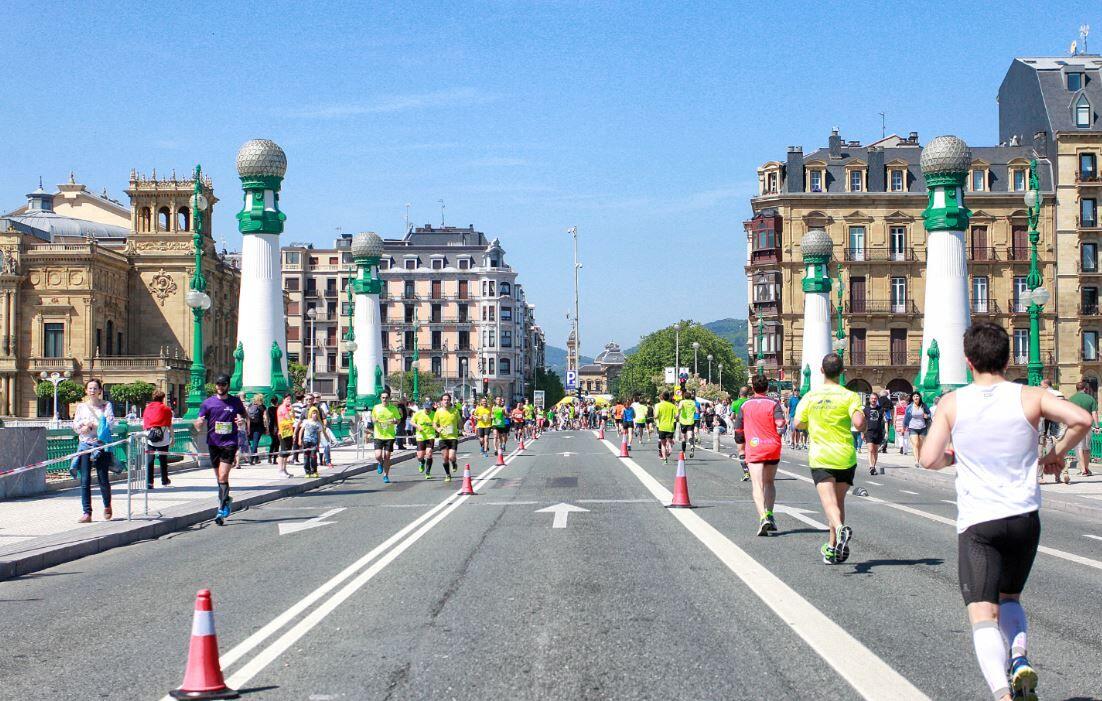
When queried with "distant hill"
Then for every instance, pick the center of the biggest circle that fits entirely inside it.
(734, 330)
(555, 359)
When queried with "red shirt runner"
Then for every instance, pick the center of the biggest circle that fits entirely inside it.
(757, 421)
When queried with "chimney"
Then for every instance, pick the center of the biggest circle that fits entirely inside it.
(794, 170)
(1040, 143)
(877, 175)
(913, 137)
(835, 143)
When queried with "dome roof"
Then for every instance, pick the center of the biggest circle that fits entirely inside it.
(367, 244)
(611, 355)
(261, 158)
(816, 242)
(944, 155)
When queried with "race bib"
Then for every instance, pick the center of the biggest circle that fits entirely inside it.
(223, 428)
(447, 431)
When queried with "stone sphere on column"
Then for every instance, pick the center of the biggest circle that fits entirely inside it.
(945, 155)
(261, 158)
(367, 244)
(817, 243)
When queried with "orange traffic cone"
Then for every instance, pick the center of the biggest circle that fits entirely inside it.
(521, 443)
(203, 675)
(601, 433)
(468, 488)
(681, 486)
(500, 457)
(624, 447)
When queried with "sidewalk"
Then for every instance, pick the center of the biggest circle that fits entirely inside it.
(42, 531)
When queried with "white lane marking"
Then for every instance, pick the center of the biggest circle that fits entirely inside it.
(614, 501)
(798, 514)
(562, 512)
(285, 528)
(1095, 537)
(950, 501)
(907, 491)
(876, 483)
(869, 675)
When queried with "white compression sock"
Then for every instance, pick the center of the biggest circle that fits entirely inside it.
(1012, 623)
(991, 654)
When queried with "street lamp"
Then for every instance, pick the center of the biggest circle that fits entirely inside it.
(696, 366)
(312, 313)
(676, 353)
(198, 301)
(1037, 296)
(55, 378)
(839, 342)
(721, 376)
(709, 368)
(573, 231)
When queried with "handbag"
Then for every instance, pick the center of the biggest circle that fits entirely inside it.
(104, 436)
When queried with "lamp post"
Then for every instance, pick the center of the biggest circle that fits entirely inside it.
(312, 313)
(199, 302)
(696, 365)
(839, 343)
(721, 376)
(676, 353)
(350, 348)
(709, 368)
(761, 344)
(1037, 295)
(416, 357)
(573, 231)
(55, 378)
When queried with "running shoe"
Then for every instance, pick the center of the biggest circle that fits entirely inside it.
(829, 556)
(386, 479)
(447, 478)
(772, 521)
(745, 474)
(428, 476)
(841, 548)
(379, 468)
(1023, 679)
(692, 450)
(421, 469)
(763, 526)
(872, 470)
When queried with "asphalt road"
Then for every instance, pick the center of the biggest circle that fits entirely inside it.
(412, 592)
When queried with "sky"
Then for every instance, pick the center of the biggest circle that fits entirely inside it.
(642, 124)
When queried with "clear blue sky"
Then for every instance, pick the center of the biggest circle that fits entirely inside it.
(641, 123)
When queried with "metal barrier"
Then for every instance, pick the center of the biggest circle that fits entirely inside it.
(136, 466)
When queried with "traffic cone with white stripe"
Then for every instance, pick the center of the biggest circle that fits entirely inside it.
(468, 488)
(500, 457)
(521, 448)
(601, 433)
(203, 675)
(681, 486)
(624, 446)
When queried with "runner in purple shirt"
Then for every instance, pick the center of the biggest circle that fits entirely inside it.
(223, 415)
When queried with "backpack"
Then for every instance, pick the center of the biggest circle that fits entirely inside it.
(256, 413)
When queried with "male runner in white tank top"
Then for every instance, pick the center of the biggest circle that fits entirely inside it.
(992, 425)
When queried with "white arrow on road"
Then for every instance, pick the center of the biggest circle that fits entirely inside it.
(567, 454)
(285, 528)
(562, 512)
(798, 514)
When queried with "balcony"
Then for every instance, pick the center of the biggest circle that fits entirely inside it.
(1017, 306)
(1017, 254)
(1023, 360)
(879, 254)
(765, 256)
(771, 307)
(1090, 310)
(880, 360)
(37, 365)
(984, 307)
(1086, 269)
(880, 307)
(983, 254)
(1087, 177)
(133, 363)
(1086, 222)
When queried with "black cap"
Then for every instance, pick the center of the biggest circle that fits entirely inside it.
(222, 379)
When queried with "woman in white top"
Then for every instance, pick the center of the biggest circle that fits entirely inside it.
(89, 415)
(992, 424)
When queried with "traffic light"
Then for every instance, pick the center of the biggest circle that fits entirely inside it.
(485, 386)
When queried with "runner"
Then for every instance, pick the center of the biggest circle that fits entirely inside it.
(425, 431)
(517, 417)
(992, 424)
(827, 414)
(529, 419)
(876, 420)
(642, 412)
(743, 395)
(796, 436)
(385, 417)
(665, 417)
(446, 422)
(223, 415)
(759, 441)
(650, 420)
(627, 423)
(501, 425)
(483, 418)
(916, 421)
(686, 411)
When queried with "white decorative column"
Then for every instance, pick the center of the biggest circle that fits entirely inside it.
(816, 247)
(367, 249)
(945, 162)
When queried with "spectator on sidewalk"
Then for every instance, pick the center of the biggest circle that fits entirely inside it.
(157, 423)
(92, 423)
(285, 424)
(272, 419)
(900, 411)
(916, 421)
(1086, 402)
(258, 417)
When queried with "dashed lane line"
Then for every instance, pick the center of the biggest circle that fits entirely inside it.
(874, 483)
(870, 676)
(907, 491)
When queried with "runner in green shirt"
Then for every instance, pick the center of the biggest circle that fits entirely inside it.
(501, 425)
(686, 417)
(736, 406)
(446, 421)
(665, 417)
(426, 437)
(1083, 451)
(828, 413)
(384, 418)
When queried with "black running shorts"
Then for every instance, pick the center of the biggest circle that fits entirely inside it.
(820, 474)
(502, 430)
(386, 444)
(995, 557)
(426, 445)
(220, 453)
(685, 428)
(874, 438)
(483, 431)
(449, 443)
(286, 443)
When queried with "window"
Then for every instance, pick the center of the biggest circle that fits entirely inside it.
(463, 294)
(330, 310)
(855, 181)
(407, 362)
(1090, 345)
(437, 366)
(897, 180)
(1088, 301)
(489, 339)
(504, 367)
(1088, 166)
(436, 289)
(330, 286)
(384, 264)
(411, 264)
(1088, 212)
(408, 313)
(464, 312)
(765, 289)
(979, 180)
(435, 316)
(816, 184)
(437, 342)
(980, 303)
(1082, 112)
(899, 295)
(383, 311)
(491, 365)
(1021, 346)
(311, 286)
(1019, 179)
(408, 340)
(346, 258)
(506, 338)
(53, 340)
(464, 341)
(765, 239)
(464, 263)
(313, 260)
(331, 362)
(1088, 258)
(408, 290)
(293, 333)
(346, 309)
(506, 313)
(1075, 82)
(437, 263)
(385, 337)
(1020, 288)
(333, 260)
(857, 242)
(506, 289)
(291, 284)
(292, 308)
(495, 262)
(897, 242)
(344, 361)
(292, 357)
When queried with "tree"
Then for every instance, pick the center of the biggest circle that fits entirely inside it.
(297, 373)
(643, 373)
(68, 392)
(401, 384)
(208, 389)
(132, 394)
(551, 384)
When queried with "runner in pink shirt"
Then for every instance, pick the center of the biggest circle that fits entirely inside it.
(759, 441)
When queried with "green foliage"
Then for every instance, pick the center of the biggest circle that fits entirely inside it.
(208, 389)
(297, 371)
(132, 394)
(643, 372)
(550, 382)
(401, 385)
(68, 391)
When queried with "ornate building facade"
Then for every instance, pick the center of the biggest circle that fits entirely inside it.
(94, 288)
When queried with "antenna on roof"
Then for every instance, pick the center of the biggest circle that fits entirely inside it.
(1084, 30)
(407, 217)
(883, 125)
(441, 213)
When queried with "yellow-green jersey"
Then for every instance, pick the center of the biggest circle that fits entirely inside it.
(828, 412)
(665, 416)
(446, 422)
(423, 426)
(641, 411)
(483, 417)
(385, 421)
(529, 413)
(686, 412)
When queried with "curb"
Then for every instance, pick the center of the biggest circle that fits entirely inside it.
(66, 548)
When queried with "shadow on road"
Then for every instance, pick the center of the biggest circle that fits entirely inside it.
(867, 566)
